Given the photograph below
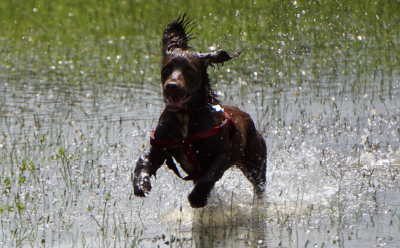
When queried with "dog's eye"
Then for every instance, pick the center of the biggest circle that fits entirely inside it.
(190, 71)
(166, 70)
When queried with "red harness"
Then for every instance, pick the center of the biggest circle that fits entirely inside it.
(187, 145)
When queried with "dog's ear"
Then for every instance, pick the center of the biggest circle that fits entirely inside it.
(217, 57)
(177, 35)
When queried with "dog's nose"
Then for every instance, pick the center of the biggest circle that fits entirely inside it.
(171, 86)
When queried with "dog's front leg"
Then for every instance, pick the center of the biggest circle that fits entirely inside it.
(145, 167)
(199, 195)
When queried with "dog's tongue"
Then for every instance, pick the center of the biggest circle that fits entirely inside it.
(175, 102)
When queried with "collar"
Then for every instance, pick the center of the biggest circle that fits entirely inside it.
(191, 111)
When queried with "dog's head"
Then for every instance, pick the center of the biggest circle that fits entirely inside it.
(184, 73)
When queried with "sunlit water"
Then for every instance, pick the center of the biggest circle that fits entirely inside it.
(333, 159)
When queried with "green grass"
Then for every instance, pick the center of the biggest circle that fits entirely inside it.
(260, 20)
(87, 41)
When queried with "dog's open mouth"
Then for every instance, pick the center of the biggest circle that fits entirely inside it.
(176, 102)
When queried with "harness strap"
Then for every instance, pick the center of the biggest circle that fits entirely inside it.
(187, 146)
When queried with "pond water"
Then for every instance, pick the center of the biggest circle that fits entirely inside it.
(68, 154)
(77, 106)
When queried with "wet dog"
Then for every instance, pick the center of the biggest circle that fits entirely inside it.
(204, 137)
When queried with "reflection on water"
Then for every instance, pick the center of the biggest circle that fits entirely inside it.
(68, 154)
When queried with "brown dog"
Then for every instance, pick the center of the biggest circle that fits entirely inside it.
(204, 137)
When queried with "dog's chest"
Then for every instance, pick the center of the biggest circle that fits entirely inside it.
(184, 125)
(182, 157)
(183, 128)
(187, 127)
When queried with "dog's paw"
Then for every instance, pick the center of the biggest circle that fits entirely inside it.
(197, 201)
(141, 185)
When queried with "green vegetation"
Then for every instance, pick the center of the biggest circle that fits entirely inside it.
(86, 41)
